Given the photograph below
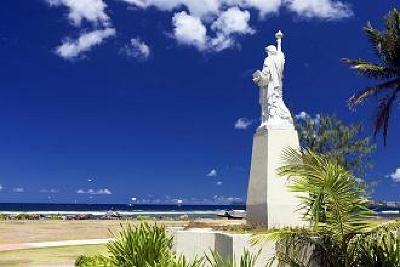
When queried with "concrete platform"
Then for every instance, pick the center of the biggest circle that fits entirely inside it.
(190, 243)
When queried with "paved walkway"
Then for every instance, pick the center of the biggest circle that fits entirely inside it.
(60, 243)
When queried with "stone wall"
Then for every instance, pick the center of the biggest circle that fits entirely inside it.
(197, 242)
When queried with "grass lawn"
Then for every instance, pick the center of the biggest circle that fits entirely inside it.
(58, 256)
(12, 232)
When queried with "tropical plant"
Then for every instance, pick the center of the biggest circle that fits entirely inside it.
(326, 134)
(93, 261)
(335, 205)
(246, 260)
(142, 246)
(379, 247)
(330, 194)
(386, 45)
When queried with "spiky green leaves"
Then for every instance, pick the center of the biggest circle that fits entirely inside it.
(386, 45)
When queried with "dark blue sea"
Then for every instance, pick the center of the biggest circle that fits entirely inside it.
(128, 209)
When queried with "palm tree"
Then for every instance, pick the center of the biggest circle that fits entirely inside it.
(386, 45)
(336, 207)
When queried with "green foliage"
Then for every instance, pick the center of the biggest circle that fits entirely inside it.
(22, 216)
(328, 135)
(3, 217)
(143, 218)
(386, 45)
(56, 217)
(142, 246)
(93, 261)
(379, 247)
(246, 260)
(335, 205)
(330, 195)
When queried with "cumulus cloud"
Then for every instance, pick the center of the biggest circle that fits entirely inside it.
(302, 116)
(51, 190)
(209, 25)
(324, 9)
(219, 183)
(136, 49)
(243, 123)
(395, 175)
(212, 173)
(70, 49)
(189, 30)
(198, 8)
(101, 191)
(90, 10)
(227, 200)
(232, 21)
(18, 190)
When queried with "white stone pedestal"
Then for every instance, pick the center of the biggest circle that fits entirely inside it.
(269, 202)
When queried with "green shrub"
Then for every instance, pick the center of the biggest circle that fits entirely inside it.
(93, 261)
(141, 246)
(246, 260)
(21, 216)
(144, 218)
(3, 217)
(380, 247)
(56, 217)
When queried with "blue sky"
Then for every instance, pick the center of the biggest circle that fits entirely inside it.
(102, 101)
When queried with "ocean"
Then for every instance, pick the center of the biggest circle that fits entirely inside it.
(123, 209)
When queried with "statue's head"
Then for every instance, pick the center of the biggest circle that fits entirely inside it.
(271, 50)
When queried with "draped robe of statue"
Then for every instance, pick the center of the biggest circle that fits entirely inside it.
(274, 112)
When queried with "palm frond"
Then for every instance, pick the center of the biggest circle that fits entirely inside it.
(383, 115)
(386, 44)
(361, 96)
(371, 70)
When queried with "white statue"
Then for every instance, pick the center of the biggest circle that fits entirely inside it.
(274, 112)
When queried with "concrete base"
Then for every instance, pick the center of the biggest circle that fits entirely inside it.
(198, 242)
(269, 203)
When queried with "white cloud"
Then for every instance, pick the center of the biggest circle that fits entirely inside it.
(227, 200)
(90, 10)
(101, 191)
(395, 175)
(243, 123)
(1, 187)
(18, 190)
(189, 30)
(229, 23)
(324, 9)
(302, 116)
(72, 48)
(219, 183)
(212, 173)
(233, 21)
(51, 190)
(198, 8)
(226, 17)
(137, 49)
